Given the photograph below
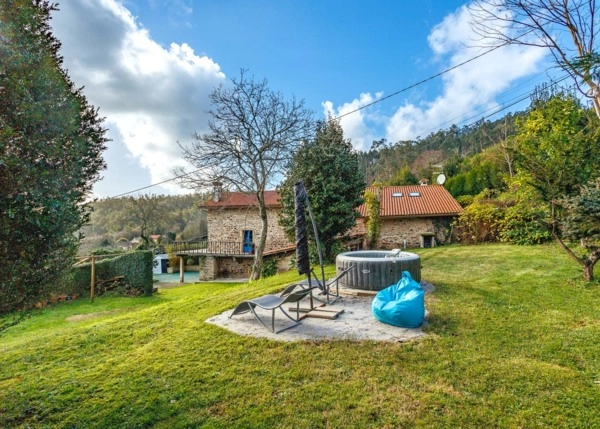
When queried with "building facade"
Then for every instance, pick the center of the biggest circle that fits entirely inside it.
(410, 217)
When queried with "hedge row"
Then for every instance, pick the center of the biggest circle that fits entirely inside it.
(135, 267)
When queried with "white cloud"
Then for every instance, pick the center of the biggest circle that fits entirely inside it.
(357, 126)
(152, 96)
(472, 87)
(468, 89)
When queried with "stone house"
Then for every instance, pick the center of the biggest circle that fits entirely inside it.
(411, 216)
(234, 227)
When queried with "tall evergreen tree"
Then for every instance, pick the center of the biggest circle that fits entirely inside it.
(329, 168)
(51, 143)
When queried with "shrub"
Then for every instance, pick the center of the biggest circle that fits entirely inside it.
(465, 200)
(521, 225)
(107, 251)
(269, 267)
(373, 225)
(478, 223)
(173, 259)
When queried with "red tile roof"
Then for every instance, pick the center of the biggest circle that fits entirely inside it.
(432, 200)
(414, 201)
(236, 200)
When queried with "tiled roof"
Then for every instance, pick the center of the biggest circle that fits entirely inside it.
(242, 199)
(414, 201)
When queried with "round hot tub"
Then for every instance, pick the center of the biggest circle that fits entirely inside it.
(376, 269)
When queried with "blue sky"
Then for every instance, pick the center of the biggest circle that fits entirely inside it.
(149, 66)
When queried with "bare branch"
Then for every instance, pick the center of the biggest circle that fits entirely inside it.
(567, 28)
(253, 133)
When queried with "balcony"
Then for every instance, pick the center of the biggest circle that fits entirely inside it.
(227, 248)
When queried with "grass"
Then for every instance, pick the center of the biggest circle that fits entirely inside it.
(513, 342)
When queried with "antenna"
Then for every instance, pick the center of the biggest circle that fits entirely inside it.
(441, 179)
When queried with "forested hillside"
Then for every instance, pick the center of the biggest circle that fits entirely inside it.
(119, 220)
(407, 162)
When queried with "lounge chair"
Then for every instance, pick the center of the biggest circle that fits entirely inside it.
(325, 289)
(274, 302)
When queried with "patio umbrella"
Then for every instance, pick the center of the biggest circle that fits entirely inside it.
(302, 256)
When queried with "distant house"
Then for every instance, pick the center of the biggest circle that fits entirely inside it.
(411, 216)
(155, 238)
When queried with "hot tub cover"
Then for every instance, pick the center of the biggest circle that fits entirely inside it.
(402, 304)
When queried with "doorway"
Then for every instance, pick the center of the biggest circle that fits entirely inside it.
(248, 241)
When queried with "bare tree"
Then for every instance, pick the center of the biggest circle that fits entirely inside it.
(568, 28)
(146, 211)
(253, 134)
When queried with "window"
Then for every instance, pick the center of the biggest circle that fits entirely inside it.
(396, 194)
(414, 194)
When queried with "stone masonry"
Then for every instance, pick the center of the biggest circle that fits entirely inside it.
(230, 224)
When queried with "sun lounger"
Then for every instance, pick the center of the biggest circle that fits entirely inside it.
(325, 289)
(272, 303)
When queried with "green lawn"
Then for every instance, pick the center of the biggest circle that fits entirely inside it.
(514, 342)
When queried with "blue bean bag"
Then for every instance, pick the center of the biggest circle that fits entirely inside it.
(402, 304)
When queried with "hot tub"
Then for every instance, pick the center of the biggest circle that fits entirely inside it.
(377, 269)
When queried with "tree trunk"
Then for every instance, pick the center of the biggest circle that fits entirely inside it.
(594, 94)
(260, 248)
(589, 263)
(588, 272)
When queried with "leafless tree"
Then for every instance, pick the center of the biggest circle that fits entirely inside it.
(146, 212)
(253, 134)
(568, 28)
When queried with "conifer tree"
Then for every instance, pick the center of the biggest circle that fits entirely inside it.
(51, 143)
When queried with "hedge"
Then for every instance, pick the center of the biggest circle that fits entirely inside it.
(135, 267)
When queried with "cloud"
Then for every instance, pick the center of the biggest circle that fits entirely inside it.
(357, 126)
(472, 87)
(468, 89)
(152, 96)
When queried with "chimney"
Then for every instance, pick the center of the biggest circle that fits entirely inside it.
(424, 182)
(217, 191)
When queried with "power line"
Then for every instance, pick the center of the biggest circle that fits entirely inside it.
(156, 184)
(357, 110)
(379, 100)
(514, 101)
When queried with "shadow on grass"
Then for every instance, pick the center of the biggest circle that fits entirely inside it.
(442, 325)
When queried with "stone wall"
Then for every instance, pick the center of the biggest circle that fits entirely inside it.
(393, 232)
(229, 225)
(208, 268)
(234, 267)
(214, 267)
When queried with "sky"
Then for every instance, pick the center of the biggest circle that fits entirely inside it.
(150, 65)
